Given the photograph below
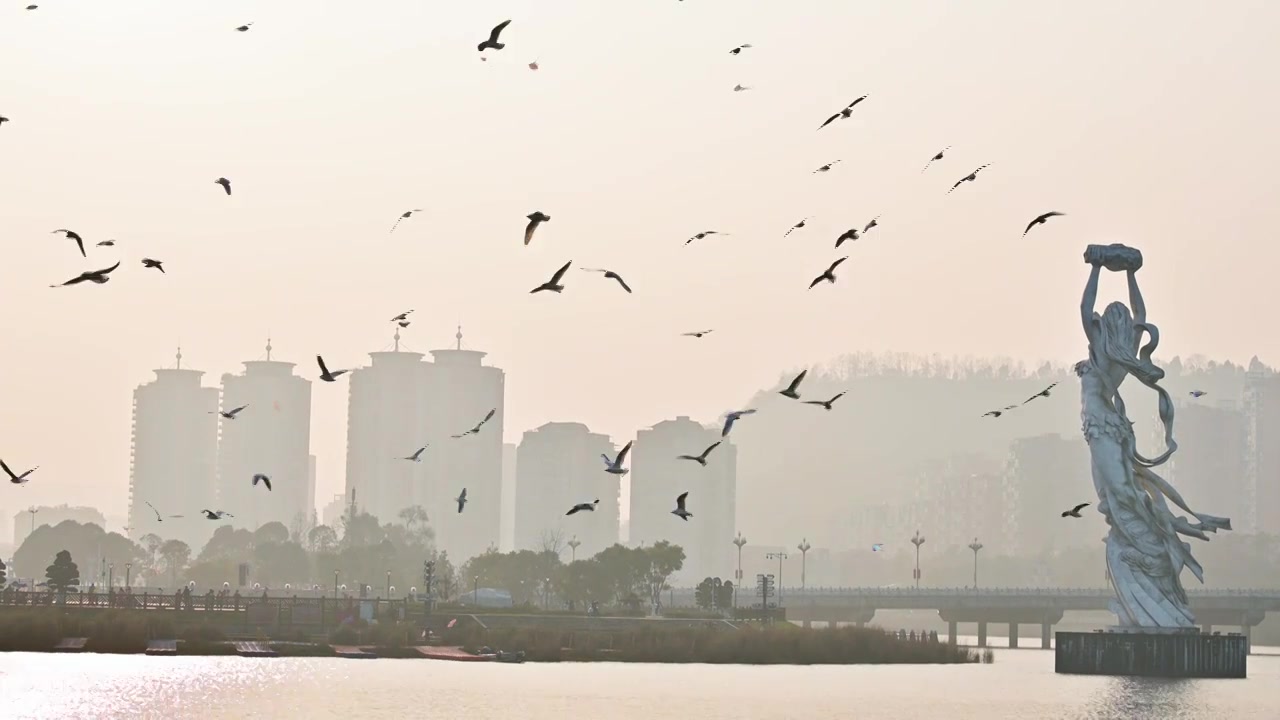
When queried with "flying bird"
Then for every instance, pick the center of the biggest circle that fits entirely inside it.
(404, 216)
(844, 114)
(697, 334)
(740, 88)
(791, 389)
(701, 459)
(680, 512)
(18, 479)
(229, 414)
(216, 514)
(476, 430)
(94, 276)
(935, 157)
(1041, 220)
(157, 512)
(533, 65)
(877, 547)
(1197, 393)
(875, 221)
(1042, 393)
(149, 263)
(107, 243)
(704, 234)
(827, 167)
(998, 413)
(403, 323)
(327, 375)
(4, 119)
(1075, 511)
(492, 42)
(826, 404)
(260, 478)
(402, 316)
(461, 500)
(614, 466)
(417, 455)
(612, 276)
(554, 283)
(969, 178)
(225, 183)
(244, 28)
(740, 48)
(535, 219)
(73, 236)
(584, 507)
(829, 274)
(795, 227)
(850, 234)
(731, 418)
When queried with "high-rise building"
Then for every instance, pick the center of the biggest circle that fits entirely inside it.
(400, 404)
(956, 497)
(174, 458)
(559, 466)
(26, 520)
(1043, 476)
(1262, 409)
(313, 513)
(1209, 470)
(272, 437)
(657, 478)
(331, 514)
(507, 530)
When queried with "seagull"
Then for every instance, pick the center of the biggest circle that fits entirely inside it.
(402, 316)
(704, 234)
(795, 227)
(157, 512)
(535, 219)
(612, 276)
(225, 183)
(740, 88)
(216, 514)
(461, 500)
(554, 283)
(829, 274)
(403, 323)
(1197, 393)
(795, 385)
(850, 234)
(1075, 511)
(701, 459)
(149, 263)
(533, 65)
(94, 276)
(33, 7)
(1042, 393)
(875, 221)
(740, 48)
(492, 42)
(476, 430)
(614, 466)
(731, 418)
(229, 414)
(260, 478)
(826, 404)
(404, 216)
(680, 512)
(4, 119)
(998, 413)
(417, 455)
(244, 28)
(18, 479)
(584, 507)
(827, 167)
(697, 334)
(1041, 220)
(325, 374)
(73, 236)
(969, 178)
(877, 547)
(107, 243)
(935, 157)
(843, 114)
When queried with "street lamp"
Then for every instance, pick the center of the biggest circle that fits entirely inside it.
(803, 547)
(739, 541)
(111, 569)
(975, 546)
(128, 568)
(573, 546)
(335, 584)
(33, 510)
(388, 585)
(475, 591)
(917, 540)
(779, 556)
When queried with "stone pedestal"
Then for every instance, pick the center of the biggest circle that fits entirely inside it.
(1137, 652)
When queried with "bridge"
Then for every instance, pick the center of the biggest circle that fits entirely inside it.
(1015, 606)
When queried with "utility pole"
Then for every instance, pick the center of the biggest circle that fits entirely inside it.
(33, 510)
(803, 547)
(740, 540)
(975, 546)
(428, 577)
(573, 544)
(779, 556)
(917, 540)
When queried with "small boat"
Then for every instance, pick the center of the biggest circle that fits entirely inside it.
(510, 657)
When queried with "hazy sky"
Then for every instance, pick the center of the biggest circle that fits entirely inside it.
(1149, 123)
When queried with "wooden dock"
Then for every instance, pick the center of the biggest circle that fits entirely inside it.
(254, 649)
(70, 645)
(162, 647)
(354, 653)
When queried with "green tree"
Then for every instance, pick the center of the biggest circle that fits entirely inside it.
(724, 595)
(664, 560)
(62, 575)
(271, 532)
(81, 540)
(322, 539)
(446, 576)
(174, 555)
(704, 594)
(2, 573)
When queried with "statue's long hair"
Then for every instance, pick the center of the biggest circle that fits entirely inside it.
(1117, 341)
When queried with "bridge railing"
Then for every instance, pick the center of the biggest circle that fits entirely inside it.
(879, 591)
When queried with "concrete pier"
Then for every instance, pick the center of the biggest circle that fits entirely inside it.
(1151, 654)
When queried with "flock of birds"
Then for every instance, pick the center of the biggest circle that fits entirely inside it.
(555, 284)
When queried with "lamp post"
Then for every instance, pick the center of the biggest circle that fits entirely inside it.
(388, 595)
(803, 547)
(128, 569)
(573, 547)
(33, 510)
(917, 540)
(111, 569)
(779, 556)
(475, 591)
(739, 541)
(975, 546)
(335, 584)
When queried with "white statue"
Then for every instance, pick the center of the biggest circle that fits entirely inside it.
(1145, 556)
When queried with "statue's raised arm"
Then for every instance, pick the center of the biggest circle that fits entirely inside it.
(1089, 302)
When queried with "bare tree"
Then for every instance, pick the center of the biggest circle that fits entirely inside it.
(552, 541)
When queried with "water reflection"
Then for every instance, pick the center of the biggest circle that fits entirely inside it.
(1145, 699)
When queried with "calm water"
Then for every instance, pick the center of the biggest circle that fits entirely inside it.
(1021, 684)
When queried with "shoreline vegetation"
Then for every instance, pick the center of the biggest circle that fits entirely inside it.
(127, 632)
